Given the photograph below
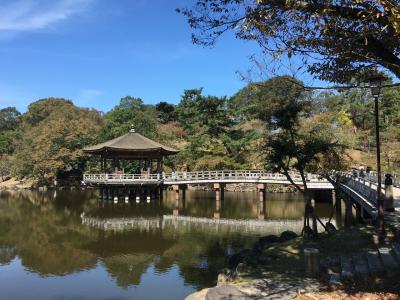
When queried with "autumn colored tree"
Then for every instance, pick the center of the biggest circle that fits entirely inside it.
(335, 39)
(53, 133)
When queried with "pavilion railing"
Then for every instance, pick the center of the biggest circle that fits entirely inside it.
(121, 177)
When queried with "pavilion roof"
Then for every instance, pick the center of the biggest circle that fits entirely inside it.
(131, 145)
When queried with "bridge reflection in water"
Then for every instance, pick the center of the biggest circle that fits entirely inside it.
(237, 212)
(182, 224)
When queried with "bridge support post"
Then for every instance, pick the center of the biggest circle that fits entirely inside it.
(261, 191)
(348, 213)
(175, 211)
(338, 201)
(261, 215)
(219, 195)
(219, 191)
(261, 198)
(217, 214)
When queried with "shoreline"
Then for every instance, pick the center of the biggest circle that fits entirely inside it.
(274, 268)
(30, 184)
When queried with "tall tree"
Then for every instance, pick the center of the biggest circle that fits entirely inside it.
(9, 122)
(130, 112)
(301, 141)
(216, 141)
(53, 133)
(9, 118)
(166, 112)
(336, 39)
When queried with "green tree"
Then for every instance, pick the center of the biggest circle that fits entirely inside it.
(5, 168)
(165, 112)
(302, 141)
(336, 39)
(7, 141)
(9, 118)
(216, 141)
(130, 112)
(9, 122)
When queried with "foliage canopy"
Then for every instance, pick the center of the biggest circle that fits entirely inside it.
(336, 39)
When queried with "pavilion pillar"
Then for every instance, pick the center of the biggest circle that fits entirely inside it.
(159, 170)
(148, 166)
(138, 194)
(126, 195)
(110, 193)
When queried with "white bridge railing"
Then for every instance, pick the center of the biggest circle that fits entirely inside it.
(363, 188)
(234, 175)
(199, 176)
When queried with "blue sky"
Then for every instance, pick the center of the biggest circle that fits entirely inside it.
(97, 51)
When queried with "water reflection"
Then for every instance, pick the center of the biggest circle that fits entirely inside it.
(43, 234)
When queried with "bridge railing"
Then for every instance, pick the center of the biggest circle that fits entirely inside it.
(235, 175)
(373, 177)
(199, 176)
(361, 186)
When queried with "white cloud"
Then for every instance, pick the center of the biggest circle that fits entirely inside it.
(29, 15)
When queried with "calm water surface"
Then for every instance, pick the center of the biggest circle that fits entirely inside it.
(69, 245)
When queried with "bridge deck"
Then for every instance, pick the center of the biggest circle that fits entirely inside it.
(203, 177)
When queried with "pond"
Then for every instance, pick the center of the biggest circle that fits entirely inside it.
(71, 245)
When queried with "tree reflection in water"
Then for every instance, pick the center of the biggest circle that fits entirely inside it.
(45, 231)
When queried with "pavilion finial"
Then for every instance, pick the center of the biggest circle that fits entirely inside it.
(132, 128)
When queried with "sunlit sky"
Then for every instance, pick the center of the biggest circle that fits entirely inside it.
(96, 51)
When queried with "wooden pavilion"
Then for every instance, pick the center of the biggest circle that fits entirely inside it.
(145, 181)
(131, 147)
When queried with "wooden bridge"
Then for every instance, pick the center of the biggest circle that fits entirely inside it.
(204, 177)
